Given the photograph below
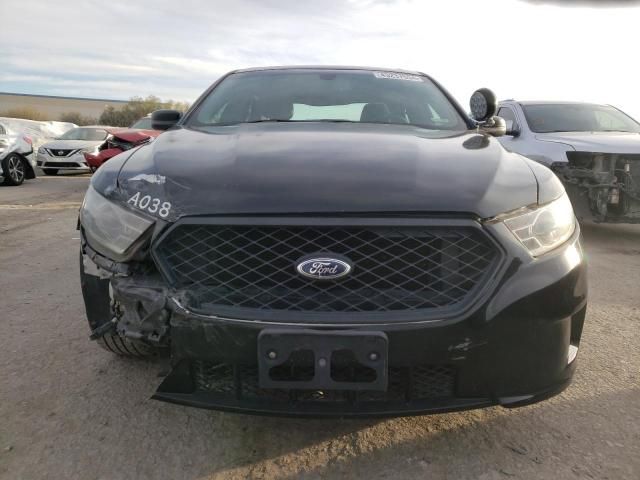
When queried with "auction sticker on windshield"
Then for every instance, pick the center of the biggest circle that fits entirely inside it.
(398, 76)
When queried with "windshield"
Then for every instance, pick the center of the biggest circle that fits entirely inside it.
(94, 134)
(327, 96)
(578, 118)
(142, 124)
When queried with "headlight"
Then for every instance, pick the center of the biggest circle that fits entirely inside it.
(41, 151)
(544, 228)
(109, 228)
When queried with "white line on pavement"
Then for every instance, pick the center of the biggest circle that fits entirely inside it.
(42, 206)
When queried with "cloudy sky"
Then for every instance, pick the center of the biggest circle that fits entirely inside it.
(525, 49)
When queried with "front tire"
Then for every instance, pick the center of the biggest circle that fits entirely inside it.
(97, 301)
(14, 170)
(114, 343)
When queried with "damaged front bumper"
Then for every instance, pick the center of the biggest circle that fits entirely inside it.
(603, 187)
(517, 348)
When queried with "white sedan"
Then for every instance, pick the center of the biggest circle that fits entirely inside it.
(66, 153)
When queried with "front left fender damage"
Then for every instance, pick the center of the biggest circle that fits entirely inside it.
(119, 299)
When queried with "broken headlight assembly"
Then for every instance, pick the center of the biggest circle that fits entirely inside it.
(110, 229)
(543, 228)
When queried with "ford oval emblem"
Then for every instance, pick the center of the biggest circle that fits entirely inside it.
(323, 268)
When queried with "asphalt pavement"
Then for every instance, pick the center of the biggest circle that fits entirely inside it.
(71, 410)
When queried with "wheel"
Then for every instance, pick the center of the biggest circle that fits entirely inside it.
(50, 171)
(114, 343)
(14, 170)
(97, 301)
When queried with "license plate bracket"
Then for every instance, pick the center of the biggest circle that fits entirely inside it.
(369, 350)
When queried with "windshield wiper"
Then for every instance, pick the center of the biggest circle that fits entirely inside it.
(327, 120)
(316, 120)
(269, 120)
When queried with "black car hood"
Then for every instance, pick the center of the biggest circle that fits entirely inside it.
(298, 168)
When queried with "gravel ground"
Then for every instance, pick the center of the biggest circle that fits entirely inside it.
(70, 410)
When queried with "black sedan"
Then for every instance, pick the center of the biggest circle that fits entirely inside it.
(335, 241)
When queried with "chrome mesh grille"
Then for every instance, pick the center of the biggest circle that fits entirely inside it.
(394, 268)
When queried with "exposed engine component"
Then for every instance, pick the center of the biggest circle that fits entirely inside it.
(605, 182)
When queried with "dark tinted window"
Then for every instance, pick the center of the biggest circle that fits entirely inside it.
(327, 95)
(578, 118)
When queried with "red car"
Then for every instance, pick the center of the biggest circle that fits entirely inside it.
(118, 141)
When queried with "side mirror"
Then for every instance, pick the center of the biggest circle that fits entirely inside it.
(483, 105)
(164, 119)
(513, 129)
(495, 126)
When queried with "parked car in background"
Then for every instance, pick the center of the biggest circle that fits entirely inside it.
(118, 141)
(66, 153)
(15, 165)
(594, 149)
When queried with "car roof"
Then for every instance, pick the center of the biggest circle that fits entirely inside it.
(549, 102)
(328, 67)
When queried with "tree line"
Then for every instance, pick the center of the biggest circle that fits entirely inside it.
(134, 109)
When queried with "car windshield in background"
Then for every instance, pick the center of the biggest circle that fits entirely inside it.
(93, 134)
(578, 118)
(357, 96)
(142, 124)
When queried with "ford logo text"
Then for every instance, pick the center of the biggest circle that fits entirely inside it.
(323, 268)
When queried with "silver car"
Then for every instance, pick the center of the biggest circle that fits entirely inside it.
(594, 150)
(15, 157)
(66, 153)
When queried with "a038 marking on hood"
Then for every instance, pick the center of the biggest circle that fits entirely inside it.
(152, 205)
